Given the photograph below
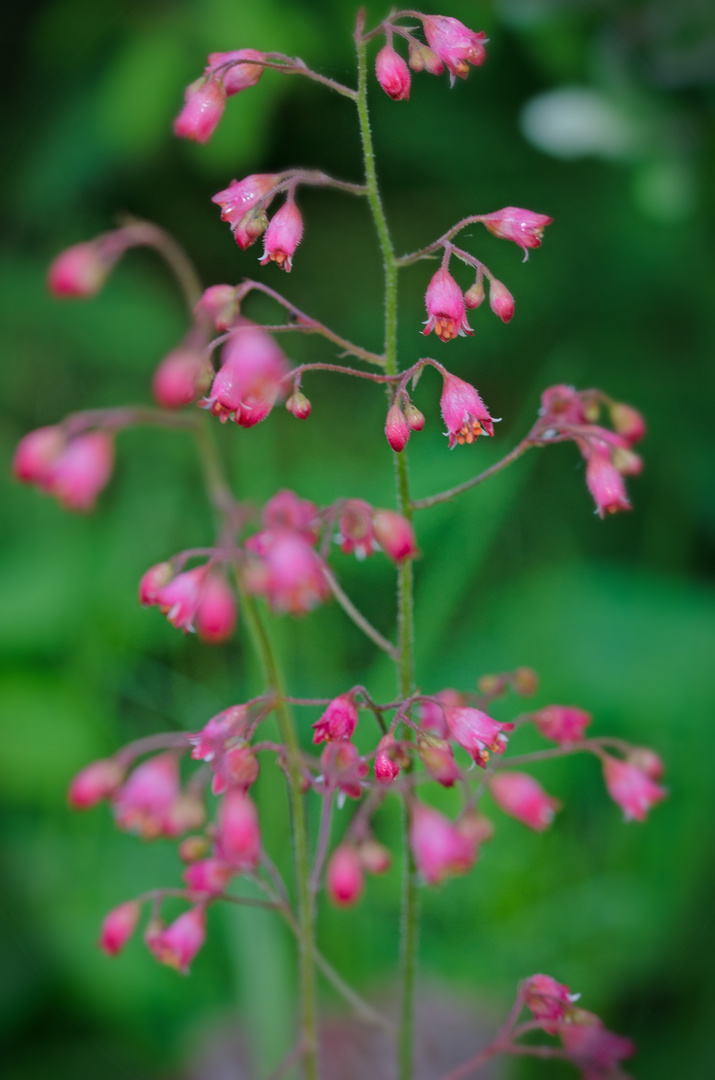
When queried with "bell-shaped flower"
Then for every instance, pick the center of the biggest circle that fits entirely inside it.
(550, 1002)
(563, 723)
(204, 103)
(283, 235)
(605, 481)
(238, 838)
(242, 74)
(500, 300)
(344, 877)
(95, 782)
(209, 742)
(356, 530)
(477, 733)
(82, 470)
(464, 412)
(343, 767)
(208, 877)
(118, 927)
(395, 535)
(182, 376)
(216, 612)
(145, 802)
(235, 767)
(455, 44)
(178, 944)
(392, 73)
(248, 382)
(522, 797)
(179, 600)
(338, 721)
(286, 510)
(524, 227)
(631, 787)
(438, 846)
(446, 310)
(240, 199)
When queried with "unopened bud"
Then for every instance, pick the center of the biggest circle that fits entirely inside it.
(299, 405)
(437, 757)
(153, 581)
(343, 880)
(474, 296)
(627, 421)
(475, 827)
(374, 857)
(501, 301)
(422, 58)
(252, 225)
(627, 462)
(414, 417)
(491, 685)
(525, 681)
(397, 428)
(647, 761)
(394, 535)
(118, 927)
(193, 848)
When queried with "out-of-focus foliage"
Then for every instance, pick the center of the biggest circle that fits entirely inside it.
(598, 113)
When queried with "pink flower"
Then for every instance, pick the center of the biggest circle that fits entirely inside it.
(594, 1049)
(524, 227)
(239, 201)
(283, 236)
(339, 720)
(431, 713)
(437, 757)
(178, 944)
(393, 74)
(81, 270)
(236, 767)
(209, 742)
(299, 405)
(397, 429)
(631, 787)
(208, 876)
(563, 405)
(343, 878)
(216, 611)
(464, 412)
(548, 1000)
(181, 377)
(454, 44)
(218, 305)
(395, 535)
(286, 510)
(605, 482)
(144, 804)
(477, 733)
(36, 455)
(447, 314)
(289, 574)
(386, 767)
(82, 470)
(627, 422)
(205, 101)
(241, 76)
(356, 529)
(523, 798)
(238, 838)
(563, 723)
(343, 767)
(118, 927)
(500, 300)
(95, 782)
(437, 845)
(153, 581)
(180, 599)
(248, 382)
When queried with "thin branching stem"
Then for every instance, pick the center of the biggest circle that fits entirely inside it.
(357, 617)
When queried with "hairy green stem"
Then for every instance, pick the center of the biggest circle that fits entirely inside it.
(409, 922)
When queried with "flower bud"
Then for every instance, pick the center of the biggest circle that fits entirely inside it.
(36, 455)
(237, 767)
(454, 43)
(633, 789)
(218, 305)
(374, 857)
(205, 102)
(216, 612)
(153, 581)
(299, 405)
(392, 73)
(474, 296)
(344, 879)
(524, 227)
(118, 927)
(549, 1001)
(395, 535)
(386, 767)
(182, 376)
(193, 848)
(97, 781)
(208, 876)
(501, 301)
(82, 470)
(238, 838)
(397, 428)
(437, 845)
(422, 58)
(241, 75)
(178, 944)
(283, 235)
(628, 422)
(563, 723)
(523, 798)
(414, 417)
(645, 759)
(437, 757)
(252, 225)
(81, 270)
(525, 681)
(605, 483)
(477, 828)
(338, 722)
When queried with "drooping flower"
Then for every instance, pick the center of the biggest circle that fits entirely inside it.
(289, 573)
(522, 797)
(356, 532)
(204, 103)
(500, 300)
(446, 310)
(118, 927)
(236, 767)
(374, 857)
(343, 767)
(36, 454)
(248, 383)
(395, 535)
(240, 199)
(632, 788)
(524, 227)
(477, 733)
(392, 73)
(180, 598)
(455, 44)
(182, 376)
(344, 878)
(286, 510)
(563, 723)
(549, 1001)
(299, 405)
(283, 235)
(82, 470)
(242, 75)
(80, 271)
(437, 757)
(178, 944)
(209, 742)
(627, 422)
(238, 838)
(437, 845)
(605, 482)
(216, 613)
(397, 428)
(208, 876)
(431, 713)
(594, 1049)
(422, 58)
(95, 782)
(387, 765)
(218, 305)
(464, 412)
(153, 581)
(339, 720)
(145, 802)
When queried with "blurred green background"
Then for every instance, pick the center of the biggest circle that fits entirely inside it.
(598, 113)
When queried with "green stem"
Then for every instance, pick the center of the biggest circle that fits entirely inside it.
(409, 923)
(305, 931)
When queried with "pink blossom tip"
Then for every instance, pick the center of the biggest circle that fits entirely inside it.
(524, 227)
(237, 74)
(393, 74)
(446, 310)
(395, 535)
(95, 782)
(338, 722)
(238, 838)
(118, 927)
(203, 108)
(464, 412)
(344, 877)
(80, 271)
(523, 798)
(178, 944)
(216, 612)
(477, 733)
(282, 237)
(605, 482)
(82, 470)
(635, 791)
(182, 376)
(563, 723)
(501, 301)
(549, 1001)
(397, 428)
(437, 845)
(455, 44)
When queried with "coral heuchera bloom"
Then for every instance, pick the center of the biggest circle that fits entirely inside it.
(36, 454)
(548, 1000)
(180, 599)
(605, 482)
(524, 227)
(563, 723)
(344, 878)
(179, 943)
(501, 301)
(248, 382)
(238, 839)
(219, 305)
(594, 1049)
(437, 845)
(393, 74)
(208, 876)
(144, 804)
(455, 44)
(242, 75)
(82, 470)
(397, 429)
(523, 798)
(291, 575)
(632, 788)
(118, 927)
(386, 767)
(216, 611)
(356, 529)
(477, 733)
(95, 782)
(338, 721)
(343, 767)
(205, 101)
(464, 412)
(80, 271)
(286, 510)
(446, 310)
(182, 375)
(239, 199)
(282, 237)
(209, 742)
(395, 535)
